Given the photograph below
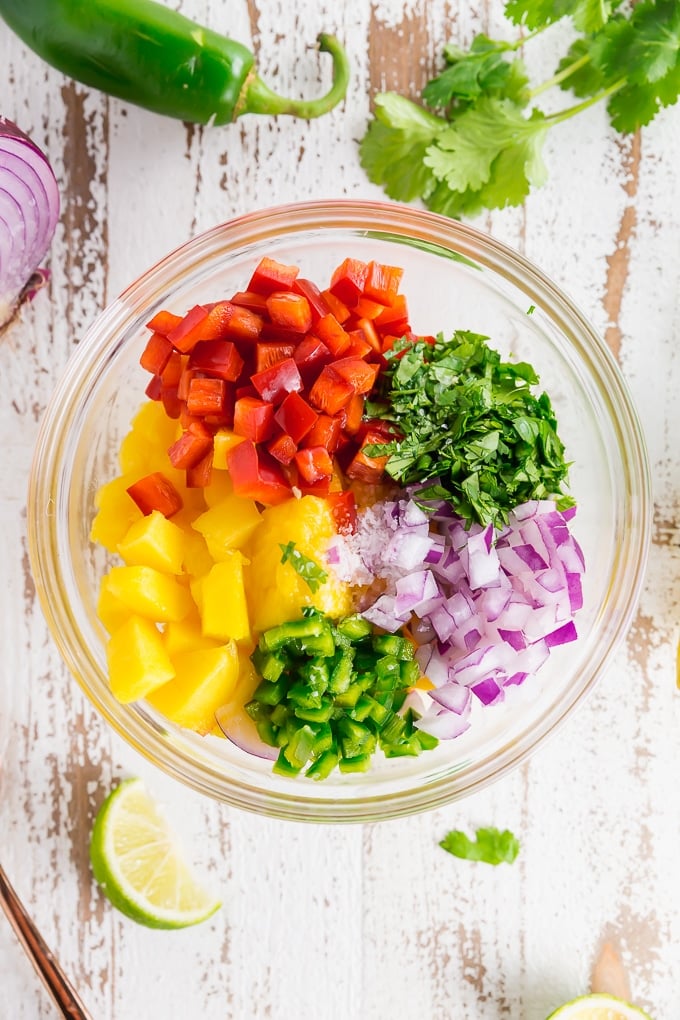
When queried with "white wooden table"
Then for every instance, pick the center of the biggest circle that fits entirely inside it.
(372, 922)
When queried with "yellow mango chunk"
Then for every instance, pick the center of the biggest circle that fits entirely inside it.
(110, 610)
(228, 525)
(204, 679)
(197, 559)
(186, 635)
(276, 592)
(149, 593)
(223, 442)
(224, 609)
(116, 511)
(137, 660)
(154, 541)
(220, 487)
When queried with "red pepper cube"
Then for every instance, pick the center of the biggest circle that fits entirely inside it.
(164, 322)
(271, 275)
(156, 354)
(311, 355)
(253, 302)
(155, 492)
(268, 354)
(280, 334)
(344, 510)
(153, 390)
(395, 318)
(290, 310)
(191, 446)
(274, 383)
(171, 402)
(253, 419)
(335, 306)
(172, 373)
(199, 475)
(382, 282)
(314, 464)
(354, 413)
(207, 396)
(187, 333)
(320, 488)
(317, 303)
(359, 346)
(282, 448)
(366, 308)
(240, 323)
(347, 282)
(333, 335)
(370, 334)
(185, 380)
(295, 417)
(255, 475)
(330, 393)
(325, 432)
(218, 358)
(364, 468)
(357, 372)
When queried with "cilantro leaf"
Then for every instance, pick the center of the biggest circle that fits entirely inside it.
(393, 149)
(587, 79)
(483, 70)
(588, 15)
(490, 845)
(308, 570)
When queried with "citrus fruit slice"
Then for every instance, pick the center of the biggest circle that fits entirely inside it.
(136, 860)
(598, 1007)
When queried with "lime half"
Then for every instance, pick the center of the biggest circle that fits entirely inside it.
(139, 865)
(598, 1007)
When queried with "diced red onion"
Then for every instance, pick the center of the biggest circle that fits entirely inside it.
(238, 727)
(488, 691)
(444, 725)
(452, 696)
(29, 211)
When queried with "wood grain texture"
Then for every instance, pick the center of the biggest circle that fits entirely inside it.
(372, 922)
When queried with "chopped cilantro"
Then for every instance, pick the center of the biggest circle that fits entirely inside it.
(480, 147)
(490, 845)
(308, 570)
(469, 425)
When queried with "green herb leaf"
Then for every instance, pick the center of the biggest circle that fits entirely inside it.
(482, 70)
(490, 845)
(588, 15)
(470, 425)
(393, 149)
(308, 570)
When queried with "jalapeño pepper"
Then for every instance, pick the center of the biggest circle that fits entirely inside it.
(149, 55)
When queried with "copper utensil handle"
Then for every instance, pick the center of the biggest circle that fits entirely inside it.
(49, 971)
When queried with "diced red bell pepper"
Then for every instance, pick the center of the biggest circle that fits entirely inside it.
(364, 468)
(333, 335)
(271, 275)
(156, 354)
(325, 432)
(191, 446)
(274, 383)
(344, 510)
(382, 282)
(366, 308)
(320, 488)
(290, 310)
(172, 373)
(282, 448)
(296, 417)
(199, 475)
(207, 396)
(354, 413)
(310, 356)
(359, 346)
(347, 282)
(357, 372)
(171, 402)
(317, 303)
(255, 475)
(164, 322)
(186, 333)
(395, 318)
(337, 307)
(268, 354)
(155, 492)
(217, 357)
(184, 383)
(370, 334)
(253, 418)
(240, 323)
(246, 391)
(314, 464)
(253, 302)
(330, 392)
(153, 390)
(279, 334)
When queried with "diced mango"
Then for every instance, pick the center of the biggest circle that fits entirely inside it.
(149, 593)
(197, 558)
(110, 610)
(204, 679)
(186, 635)
(223, 442)
(137, 660)
(116, 511)
(224, 609)
(276, 593)
(145, 448)
(220, 487)
(228, 525)
(154, 541)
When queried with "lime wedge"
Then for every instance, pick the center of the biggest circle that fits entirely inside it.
(598, 1007)
(137, 862)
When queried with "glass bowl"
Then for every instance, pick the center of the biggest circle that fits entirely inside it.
(454, 277)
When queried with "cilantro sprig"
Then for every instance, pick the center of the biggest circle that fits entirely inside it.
(479, 145)
(490, 845)
(309, 571)
(470, 425)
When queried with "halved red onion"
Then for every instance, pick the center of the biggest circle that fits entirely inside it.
(238, 727)
(29, 211)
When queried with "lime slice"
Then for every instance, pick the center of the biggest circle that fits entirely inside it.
(137, 862)
(598, 1007)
